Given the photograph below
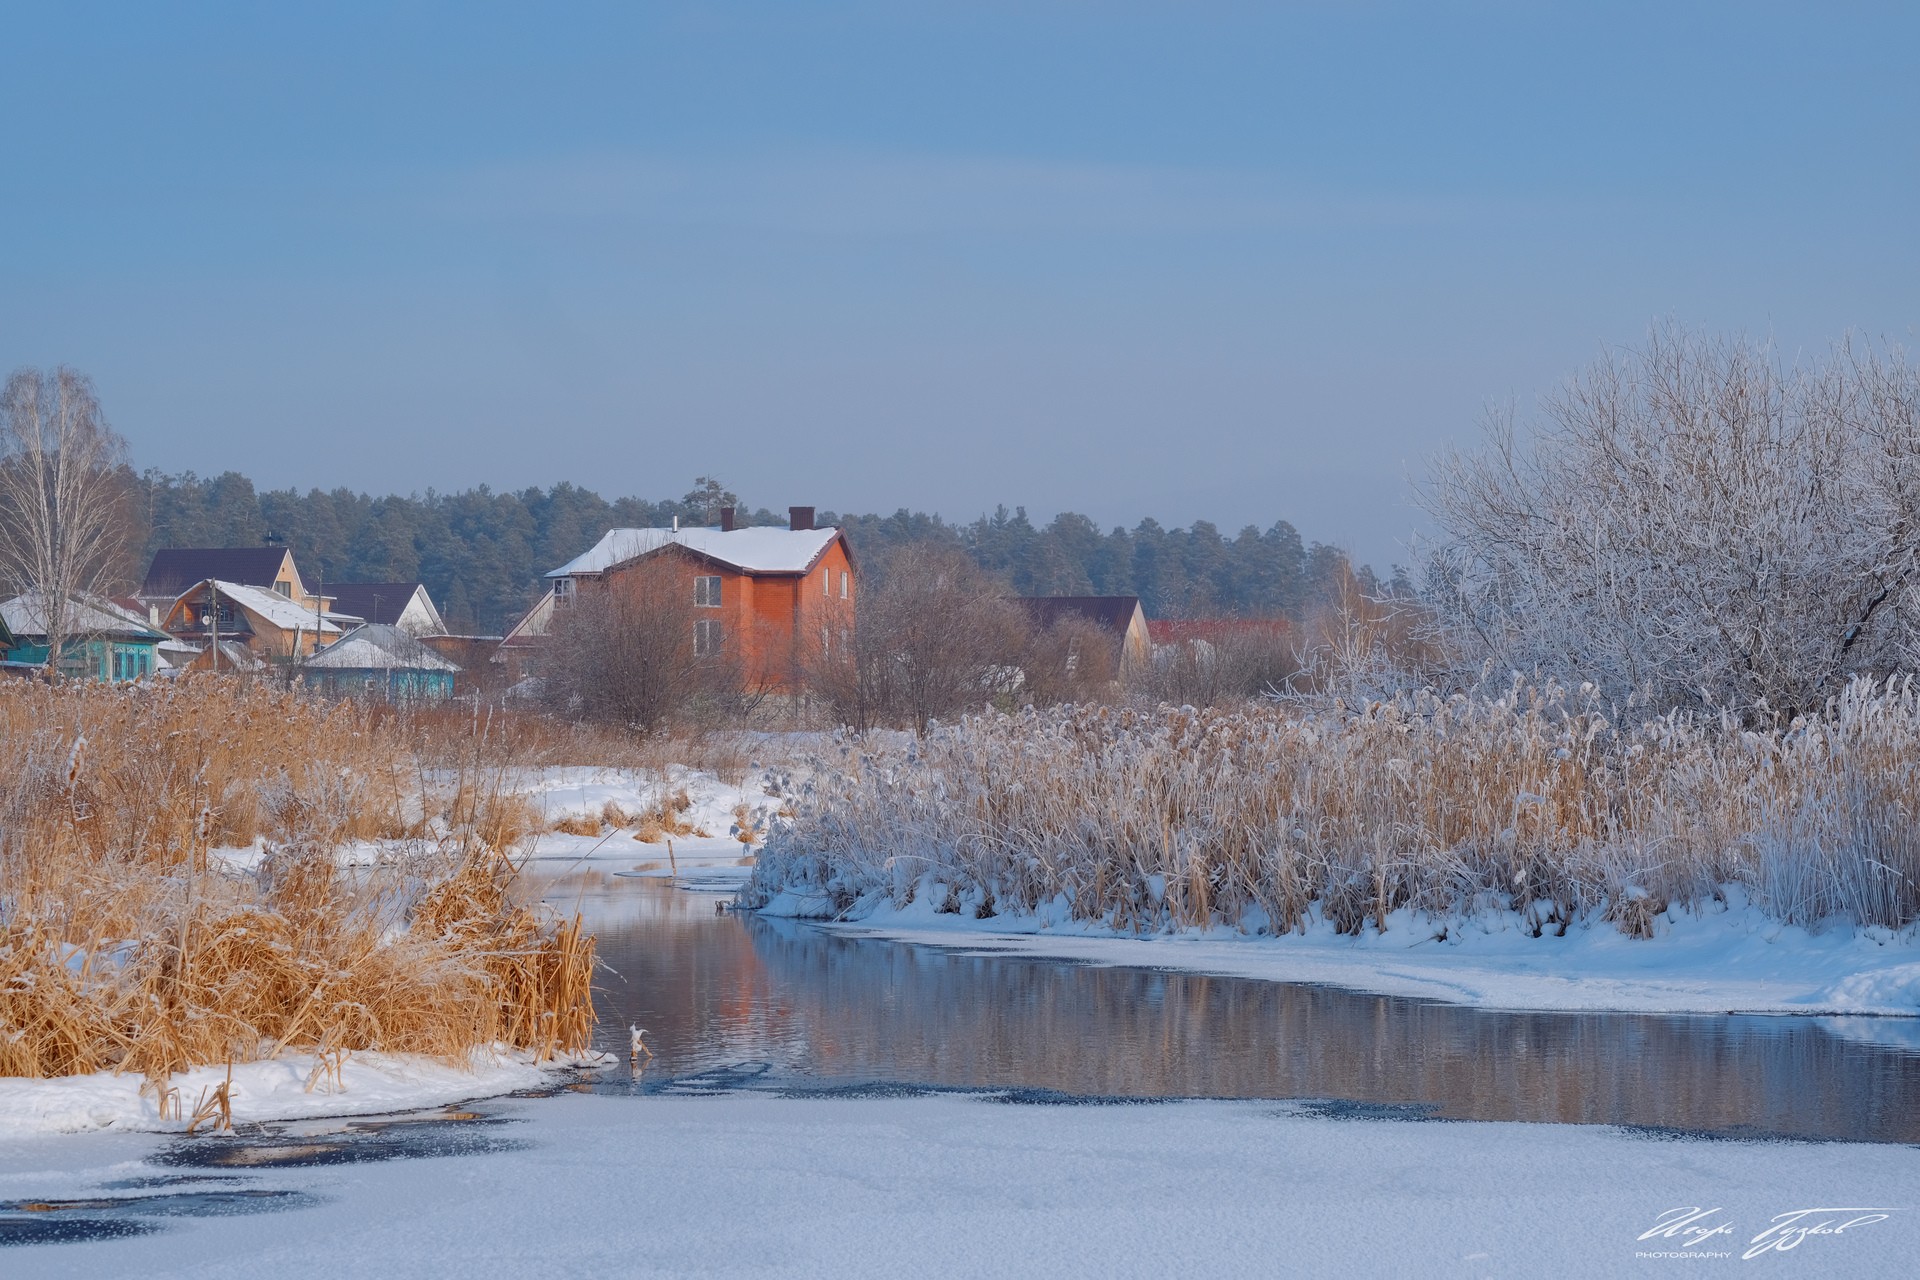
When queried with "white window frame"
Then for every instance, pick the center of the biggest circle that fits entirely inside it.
(846, 585)
(709, 636)
(706, 591)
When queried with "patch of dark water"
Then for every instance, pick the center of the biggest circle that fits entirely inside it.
(75, 1221)
(433, 1134)
(250, 1149)
(735, 1001)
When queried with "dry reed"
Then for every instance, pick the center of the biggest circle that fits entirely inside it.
(124, 945)
(1266, 816)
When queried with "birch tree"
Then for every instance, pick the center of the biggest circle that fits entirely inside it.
(1693, 522)
(62, 527)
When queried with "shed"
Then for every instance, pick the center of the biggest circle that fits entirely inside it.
(379, 660)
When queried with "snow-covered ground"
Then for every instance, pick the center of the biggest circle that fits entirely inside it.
(1726, 961)
(277, 1089)
(970, 1186)
(718, 848)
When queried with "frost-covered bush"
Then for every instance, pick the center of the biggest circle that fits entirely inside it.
(1263, 817)
(1694, 523)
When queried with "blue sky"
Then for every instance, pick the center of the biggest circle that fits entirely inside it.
(1238, 262)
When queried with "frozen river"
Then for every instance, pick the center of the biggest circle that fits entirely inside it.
(828, 1105)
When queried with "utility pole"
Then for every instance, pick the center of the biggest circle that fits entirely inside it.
(213, 621)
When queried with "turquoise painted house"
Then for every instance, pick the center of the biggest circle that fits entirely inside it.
(107, 643)
(380, 661)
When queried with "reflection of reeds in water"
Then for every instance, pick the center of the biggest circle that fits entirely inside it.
(125, 946)
(1535, 801)
(862, 1009)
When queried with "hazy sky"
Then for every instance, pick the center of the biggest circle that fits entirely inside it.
(1238, 262)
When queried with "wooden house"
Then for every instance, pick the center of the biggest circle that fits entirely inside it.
(105, 642)
(380, 660)
(772, 598)
(272, 626)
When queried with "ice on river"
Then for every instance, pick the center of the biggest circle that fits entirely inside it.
(972, 1186)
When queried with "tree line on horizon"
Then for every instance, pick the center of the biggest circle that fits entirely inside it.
(482, 552)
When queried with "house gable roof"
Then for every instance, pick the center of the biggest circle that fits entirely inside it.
(382, 602)
(1110, 613)
(174, 569)
(755, 550)
(532, 627)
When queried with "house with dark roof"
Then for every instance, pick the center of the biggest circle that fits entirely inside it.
(774, 599)
(1120, 617)
(405, 605)
(174, 569)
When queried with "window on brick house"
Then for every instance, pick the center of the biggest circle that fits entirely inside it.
(706, 592)
(846, 584)
(707, 637)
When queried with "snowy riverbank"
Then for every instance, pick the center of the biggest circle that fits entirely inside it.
(365, 1084)
(1727, 960)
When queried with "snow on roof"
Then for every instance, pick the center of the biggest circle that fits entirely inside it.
(379, 646)
(25, 615)
(757, 550)
(274, 607)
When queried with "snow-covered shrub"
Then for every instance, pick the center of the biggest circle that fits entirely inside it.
(1534, 800)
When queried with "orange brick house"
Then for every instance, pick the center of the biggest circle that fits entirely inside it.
(780, 600)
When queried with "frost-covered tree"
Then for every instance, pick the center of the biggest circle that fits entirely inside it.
(1696, 522)
(63, 490)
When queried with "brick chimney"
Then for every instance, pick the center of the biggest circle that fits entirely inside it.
(799, 518)
(726, 519)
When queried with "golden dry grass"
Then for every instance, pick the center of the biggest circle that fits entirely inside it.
(124, 945)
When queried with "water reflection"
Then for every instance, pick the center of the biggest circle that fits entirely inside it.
(817, 1008)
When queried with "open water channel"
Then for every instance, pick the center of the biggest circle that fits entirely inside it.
(739, 1001)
